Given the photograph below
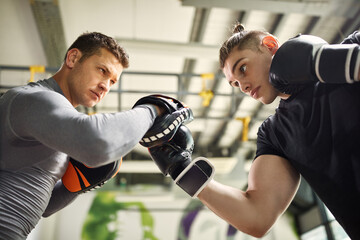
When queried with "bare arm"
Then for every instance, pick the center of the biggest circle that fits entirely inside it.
(272, 184)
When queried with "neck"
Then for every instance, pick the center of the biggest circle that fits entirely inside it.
(60, 78)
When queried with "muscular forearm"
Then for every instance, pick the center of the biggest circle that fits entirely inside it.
(272, 184)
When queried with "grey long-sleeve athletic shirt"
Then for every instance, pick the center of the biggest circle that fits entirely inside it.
(39, 130)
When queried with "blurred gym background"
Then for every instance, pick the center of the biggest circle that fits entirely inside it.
(173, 47)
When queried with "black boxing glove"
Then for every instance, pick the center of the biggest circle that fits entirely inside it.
(174, 158)
(166, 125)
(306, 59)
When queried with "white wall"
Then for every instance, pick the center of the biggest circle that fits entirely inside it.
(20, 44)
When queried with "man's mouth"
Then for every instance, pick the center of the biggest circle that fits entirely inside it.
(96, 94)
(254, 93)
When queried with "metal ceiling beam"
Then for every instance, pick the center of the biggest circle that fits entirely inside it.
(215, 143)
(349, 27)
(218, 76)
(196, 36)
(281, 21)
(48, 20)
(276, 23)
(242, 17)
(350, 10)
(312, 23)
(185, 50)
(199, 24)
(315, 8)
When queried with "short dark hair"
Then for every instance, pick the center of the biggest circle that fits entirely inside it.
(90, 43)
(240, 39)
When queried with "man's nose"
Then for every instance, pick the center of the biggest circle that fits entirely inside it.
(104, 85)
(245, 87)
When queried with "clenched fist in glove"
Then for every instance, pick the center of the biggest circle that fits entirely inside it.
(166, 125)
(174, 158)
(307, 59)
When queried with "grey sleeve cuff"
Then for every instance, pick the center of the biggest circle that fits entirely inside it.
(151, 107)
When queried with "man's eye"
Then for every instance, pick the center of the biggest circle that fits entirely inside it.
(112, 82)
(243, 68)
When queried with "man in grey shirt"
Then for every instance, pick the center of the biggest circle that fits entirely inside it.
(41, 129)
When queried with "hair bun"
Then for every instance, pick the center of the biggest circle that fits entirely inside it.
(238, 28)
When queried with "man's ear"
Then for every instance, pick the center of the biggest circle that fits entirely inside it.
(271, 43)
(72, 56)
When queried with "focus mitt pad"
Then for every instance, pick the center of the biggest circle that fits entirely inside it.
(80, 178)
(166, 125)
(169, 104)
